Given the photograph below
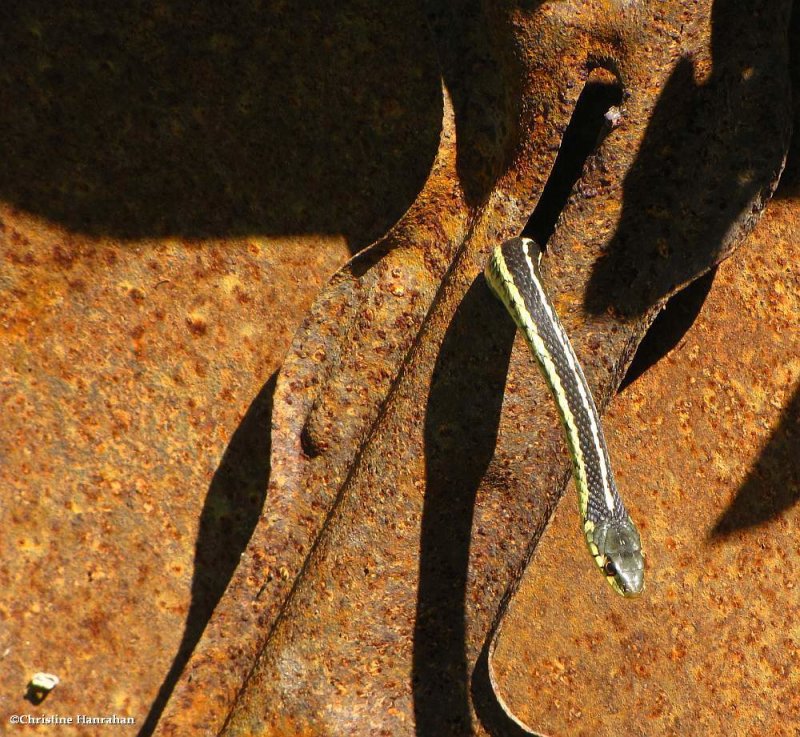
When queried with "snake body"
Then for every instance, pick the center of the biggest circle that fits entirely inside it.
(611, 536)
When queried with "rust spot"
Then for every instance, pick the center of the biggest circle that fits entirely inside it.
(24, 259)
(64, 256)
(197, 325)
(95, 624)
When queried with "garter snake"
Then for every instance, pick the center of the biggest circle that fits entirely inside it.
(513, 275)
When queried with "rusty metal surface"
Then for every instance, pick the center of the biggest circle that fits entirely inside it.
(160, 243)
(407, 486)
(135, 424)
(706, 445)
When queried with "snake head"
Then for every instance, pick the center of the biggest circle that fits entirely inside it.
(619, 555)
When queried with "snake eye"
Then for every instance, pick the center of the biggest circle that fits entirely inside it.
(609, 568)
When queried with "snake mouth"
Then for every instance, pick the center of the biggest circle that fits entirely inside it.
(623, 571)
(631, 582)
(618, 553)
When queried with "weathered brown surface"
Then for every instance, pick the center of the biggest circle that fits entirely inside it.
(160, 241)
(136, 396)
(408, 487)
(706, 447)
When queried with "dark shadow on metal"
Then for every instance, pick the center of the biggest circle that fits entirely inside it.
(206, 119)
(488, 708)
(708, 150)
(232, 508)
(461, 422)
(585, 131)
(669, 327)
(483, 103)
(773, 484)
(790, 181)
